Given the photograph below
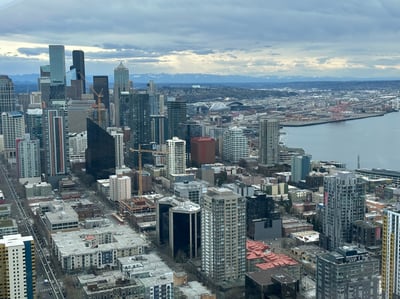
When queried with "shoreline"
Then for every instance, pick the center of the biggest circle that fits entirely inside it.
(327, 121)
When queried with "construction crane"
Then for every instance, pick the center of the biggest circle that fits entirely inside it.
(140, 151)
(99, 97)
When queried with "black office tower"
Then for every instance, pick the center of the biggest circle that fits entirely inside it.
(135, 113)
(78, 63)
(262, 222)
(100, 86)
(176, 108)
(100, 152)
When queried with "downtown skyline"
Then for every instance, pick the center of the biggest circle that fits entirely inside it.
(351, 39)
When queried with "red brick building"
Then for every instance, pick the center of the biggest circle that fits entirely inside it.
(202, 150)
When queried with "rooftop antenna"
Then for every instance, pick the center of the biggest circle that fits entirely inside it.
(358, 162)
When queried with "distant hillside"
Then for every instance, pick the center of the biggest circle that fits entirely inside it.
(28, 82)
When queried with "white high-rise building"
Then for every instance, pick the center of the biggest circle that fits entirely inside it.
(176, 157)
(77, 146)
(391, 254)
(13, 124)
(120, 187)
(235, 145)
(119, 146)
(344, 203)
(223, 235)
(17, 267)
(269, 141)
(28, 157)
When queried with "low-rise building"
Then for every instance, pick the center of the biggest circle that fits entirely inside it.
(96, 248)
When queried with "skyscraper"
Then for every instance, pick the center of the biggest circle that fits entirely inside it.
(348, 272)
(7, 96)
(135, 113)
(176, 109)
(269, 141)
(55, 134)
(57, 72)
(118, 135)
(57, 64)
(235, 145)
(13, 124)
(223, 235)
(28, 157)
(176, 157)
(78, 63)
(17, 267)
(391, 254)
(344, 203)
(100, 152)
(100, 84)
(120, 187)
(301, 167)
(121, 83)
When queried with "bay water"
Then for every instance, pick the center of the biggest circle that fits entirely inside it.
(375, 140)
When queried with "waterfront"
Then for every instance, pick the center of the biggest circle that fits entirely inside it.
(376, 140)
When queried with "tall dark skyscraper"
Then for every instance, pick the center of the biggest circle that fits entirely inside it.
(7, 96)
(176, 108)
(78, 63)
(57, 72)
(121, 83)
(100, 152)
(135, 113)
(100, 83)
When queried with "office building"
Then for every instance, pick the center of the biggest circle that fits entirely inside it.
(235, 145)
(185, 230)
(100, 86)
(223, 235)
(55, 135)
(118, 135)
(301, 167)
(57, 64)
(100, 153)
(347, 272)
(135, 113)
(57, 72)
(17, 267)
(390, 254)
(262, 221)
(121, 83)
(78, 63)
(13, 124)
(7, 96)
(176, 109)
(344, 203)
(269, 141)
(120, 188)
(202, 151)
(159, 128)
(28, 157)
(192, 191)
(178, 226)
(78, 146)
(176, 156)
(34, 124)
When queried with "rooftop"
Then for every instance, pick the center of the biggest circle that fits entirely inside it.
(81, 242)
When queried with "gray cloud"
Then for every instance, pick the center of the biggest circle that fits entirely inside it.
(145, 31)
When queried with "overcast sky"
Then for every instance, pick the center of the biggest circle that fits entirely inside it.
(342, 38)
